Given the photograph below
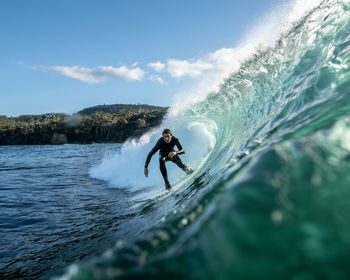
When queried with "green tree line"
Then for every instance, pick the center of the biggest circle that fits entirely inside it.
(99, 127)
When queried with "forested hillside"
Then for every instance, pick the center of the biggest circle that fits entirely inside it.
(91, 125)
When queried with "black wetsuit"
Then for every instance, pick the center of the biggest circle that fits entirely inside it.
(164, 149)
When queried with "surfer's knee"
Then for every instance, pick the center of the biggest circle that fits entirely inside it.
(162, 159)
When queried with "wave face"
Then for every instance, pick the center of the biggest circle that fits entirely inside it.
(270, 195)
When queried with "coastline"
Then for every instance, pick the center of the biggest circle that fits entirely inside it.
(100, 125)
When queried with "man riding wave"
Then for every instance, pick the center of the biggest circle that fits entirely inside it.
(166, 145)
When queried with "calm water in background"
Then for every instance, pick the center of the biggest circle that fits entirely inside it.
(52, 212)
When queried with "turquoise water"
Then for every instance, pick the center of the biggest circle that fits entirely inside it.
(270, 197)
(272, 200)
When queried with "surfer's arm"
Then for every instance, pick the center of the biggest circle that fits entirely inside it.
(151, 153)
(180, 148)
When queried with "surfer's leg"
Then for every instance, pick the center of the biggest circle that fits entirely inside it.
(177, 160)
(162, 167)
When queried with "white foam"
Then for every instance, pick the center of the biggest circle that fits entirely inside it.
(125, 169)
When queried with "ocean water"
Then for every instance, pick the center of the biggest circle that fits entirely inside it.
(269, 198)
(49, 206)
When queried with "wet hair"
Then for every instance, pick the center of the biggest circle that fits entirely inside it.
(167, 131)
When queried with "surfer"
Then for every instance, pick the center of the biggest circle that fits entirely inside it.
(166, 145)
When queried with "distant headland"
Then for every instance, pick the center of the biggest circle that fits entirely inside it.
(99, 124)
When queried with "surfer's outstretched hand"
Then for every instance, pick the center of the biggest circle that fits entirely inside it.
(146, 171)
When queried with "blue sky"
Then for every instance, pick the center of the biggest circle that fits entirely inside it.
(66, 55)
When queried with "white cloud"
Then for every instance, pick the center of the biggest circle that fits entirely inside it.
(95, 75)
(156, 78)
(181, 68)
(222, 56)
(224, 59)
(157, 66)
(123, 72)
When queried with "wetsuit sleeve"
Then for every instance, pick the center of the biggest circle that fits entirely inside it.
(180, 148)
(152, 152)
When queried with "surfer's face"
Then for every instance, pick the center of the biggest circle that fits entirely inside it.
(167, 137)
